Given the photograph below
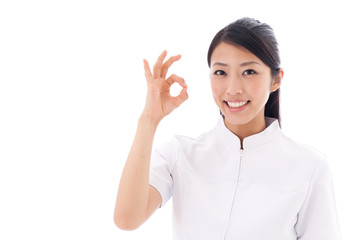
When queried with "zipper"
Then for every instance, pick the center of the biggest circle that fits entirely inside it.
(235, 193)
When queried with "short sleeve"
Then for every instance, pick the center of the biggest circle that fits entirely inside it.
(162, 162)
(317, 218)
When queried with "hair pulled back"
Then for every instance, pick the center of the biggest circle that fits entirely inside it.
(259, 39)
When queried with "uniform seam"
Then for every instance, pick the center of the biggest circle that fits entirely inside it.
(312, 180)
(308, 191)
(176, 156)
(287, 217)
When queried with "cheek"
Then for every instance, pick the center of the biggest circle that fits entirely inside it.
(259, 91)
(216, 88)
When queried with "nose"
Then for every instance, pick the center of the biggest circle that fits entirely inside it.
(235, 85)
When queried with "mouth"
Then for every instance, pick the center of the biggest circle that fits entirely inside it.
(236, 104)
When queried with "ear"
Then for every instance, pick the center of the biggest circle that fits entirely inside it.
(277, 80)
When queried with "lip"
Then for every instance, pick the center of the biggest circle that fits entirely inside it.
(235, 101)
(239, 109)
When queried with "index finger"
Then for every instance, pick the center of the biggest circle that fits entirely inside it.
(175, 78)
(167, 64)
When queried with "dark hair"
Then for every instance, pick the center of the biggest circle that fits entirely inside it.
(260, 40)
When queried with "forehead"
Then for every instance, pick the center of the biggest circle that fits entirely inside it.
(228, 53)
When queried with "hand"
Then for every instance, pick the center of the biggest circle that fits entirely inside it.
(159, 102)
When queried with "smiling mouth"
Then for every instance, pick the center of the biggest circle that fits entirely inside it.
(237, 104)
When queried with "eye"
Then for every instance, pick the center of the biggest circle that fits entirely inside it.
(220, 73)
(249, 72)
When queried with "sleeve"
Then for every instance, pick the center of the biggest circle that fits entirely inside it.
(317, 218)
(162, 162)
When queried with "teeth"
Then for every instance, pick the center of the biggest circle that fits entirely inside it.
(236, 104)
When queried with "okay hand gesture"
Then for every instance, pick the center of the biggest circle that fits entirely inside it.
(159, 102)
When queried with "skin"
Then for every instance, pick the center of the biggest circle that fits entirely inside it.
(137, 200)
(238, 75)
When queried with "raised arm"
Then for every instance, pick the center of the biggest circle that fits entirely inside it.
(136, 199)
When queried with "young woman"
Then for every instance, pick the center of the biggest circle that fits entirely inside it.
(244, 179)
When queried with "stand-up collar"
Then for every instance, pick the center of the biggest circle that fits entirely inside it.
(233, 141)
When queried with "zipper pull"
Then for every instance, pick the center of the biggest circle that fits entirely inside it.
(241, 151)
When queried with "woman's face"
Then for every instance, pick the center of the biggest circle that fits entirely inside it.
(241, 84)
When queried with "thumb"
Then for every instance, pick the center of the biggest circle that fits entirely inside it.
(182, 97)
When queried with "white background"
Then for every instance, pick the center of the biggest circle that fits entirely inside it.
(72, 88)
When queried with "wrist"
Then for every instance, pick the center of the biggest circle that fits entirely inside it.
(149, 121)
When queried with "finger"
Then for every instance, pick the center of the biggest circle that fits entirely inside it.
(158, 64)
(181, 98)
(167, 64)
(148, 74)
(175, 78)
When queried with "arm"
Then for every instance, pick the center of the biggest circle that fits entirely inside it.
(136, 199)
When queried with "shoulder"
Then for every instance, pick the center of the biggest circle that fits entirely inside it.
(203, 140)
(299, 163)
(181, 142)
(303, 153)
(300, 146)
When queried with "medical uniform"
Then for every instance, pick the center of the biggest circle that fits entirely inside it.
(272, 189)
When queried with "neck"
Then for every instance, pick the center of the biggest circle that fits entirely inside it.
(255, 126)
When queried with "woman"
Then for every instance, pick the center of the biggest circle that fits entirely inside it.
(244, 179)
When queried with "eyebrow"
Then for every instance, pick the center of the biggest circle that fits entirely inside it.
(241, 65)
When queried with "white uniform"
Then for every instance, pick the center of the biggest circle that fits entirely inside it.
(273, 189)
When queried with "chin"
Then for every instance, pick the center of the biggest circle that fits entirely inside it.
(236, 120)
